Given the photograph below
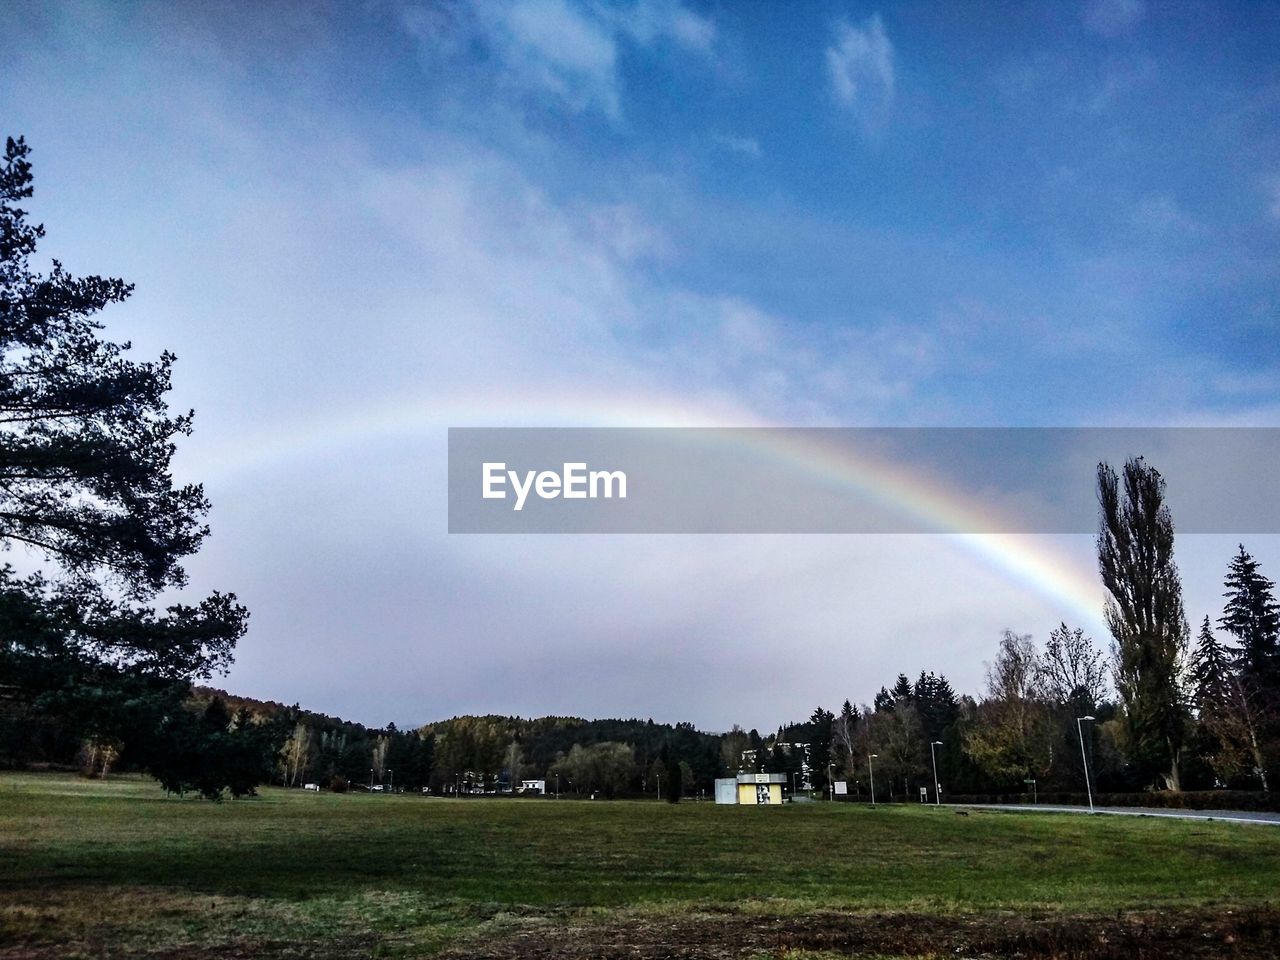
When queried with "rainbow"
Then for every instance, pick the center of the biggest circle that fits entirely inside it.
(1035, 562)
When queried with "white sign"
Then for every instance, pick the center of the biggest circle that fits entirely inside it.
(842, 788)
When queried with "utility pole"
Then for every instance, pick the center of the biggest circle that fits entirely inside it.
(1084, 757)
(872, 772)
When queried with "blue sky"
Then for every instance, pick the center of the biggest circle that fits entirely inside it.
(358, 224)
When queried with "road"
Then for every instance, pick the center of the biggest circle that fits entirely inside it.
(1233, 816)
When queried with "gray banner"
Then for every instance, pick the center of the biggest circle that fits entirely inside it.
(847, 480)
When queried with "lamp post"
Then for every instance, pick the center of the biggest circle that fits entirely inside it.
(871, 771)
(937, 788)
(371, 779)
(1085, 758)
(393, 779)
(831, 782)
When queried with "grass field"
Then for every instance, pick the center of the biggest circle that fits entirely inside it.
(118, 869)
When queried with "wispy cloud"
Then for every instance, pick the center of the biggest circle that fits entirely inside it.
(745, 146)
(860, 69)
(651, 21)
(1162, 214)
(1118, 81)
(559, 51)
(1113, 18)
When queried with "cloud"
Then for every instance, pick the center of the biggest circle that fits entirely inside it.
(860, 69)
(744, 146)
(652, 21)
(560, 51)
(1113, 18)
(1120, 80)
(1162, 214)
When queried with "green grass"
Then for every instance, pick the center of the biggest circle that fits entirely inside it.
(87, 864)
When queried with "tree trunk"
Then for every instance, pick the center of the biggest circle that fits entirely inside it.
(1173, 779)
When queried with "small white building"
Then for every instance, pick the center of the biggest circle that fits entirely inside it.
(727, 790)
(534, 786)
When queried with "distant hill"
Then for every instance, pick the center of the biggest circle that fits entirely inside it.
(271, 709)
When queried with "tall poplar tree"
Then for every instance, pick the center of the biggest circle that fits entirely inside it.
(1144, 614)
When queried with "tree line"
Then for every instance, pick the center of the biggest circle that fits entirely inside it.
(1154, 711)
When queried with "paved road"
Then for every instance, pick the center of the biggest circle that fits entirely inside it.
(1233, 816)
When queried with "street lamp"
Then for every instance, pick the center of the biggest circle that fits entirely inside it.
(1084, 757)
(393, 779)
(937, 788)
(831, 782)
(371, 779)
(872, 772)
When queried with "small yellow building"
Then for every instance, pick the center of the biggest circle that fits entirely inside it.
(753, 789)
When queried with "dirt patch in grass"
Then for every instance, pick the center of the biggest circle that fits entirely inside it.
(1202, 933)
(245, 949)
(119, 923)
(742, 933)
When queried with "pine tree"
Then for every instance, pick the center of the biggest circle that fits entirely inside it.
(902, 689)
(86, 446)
(1228, 708)
(936, 703)
(821, 724)
(883, 702)
(1252, 616)
(672, 780)
(1210, 669)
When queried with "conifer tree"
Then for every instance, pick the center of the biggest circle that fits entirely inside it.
(1252, 616)
(902, 690)
(1228, 706)
(820, 724)
(1211, 669)
(86, 441)
(672, 780)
